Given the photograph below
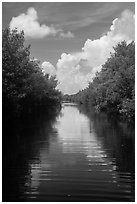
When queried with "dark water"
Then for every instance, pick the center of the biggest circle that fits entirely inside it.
(79, 156)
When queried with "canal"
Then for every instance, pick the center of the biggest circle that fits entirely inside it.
(80, 156)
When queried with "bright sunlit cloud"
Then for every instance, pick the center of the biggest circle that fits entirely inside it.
(48, 68)
(29, 23)
(94, 53)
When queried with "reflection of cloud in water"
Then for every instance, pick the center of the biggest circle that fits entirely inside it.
(74, 151)
(74, 132)
(74, 141)
(78, 137)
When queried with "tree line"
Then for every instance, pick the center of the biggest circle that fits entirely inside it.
(113, 88)
(25, 87)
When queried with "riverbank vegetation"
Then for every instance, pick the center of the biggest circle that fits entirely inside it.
(29, 96)
(25, 88)
(113, 88)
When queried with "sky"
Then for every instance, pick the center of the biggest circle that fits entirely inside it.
(72, 40)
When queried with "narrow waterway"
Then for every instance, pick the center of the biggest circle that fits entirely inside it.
(78, 157)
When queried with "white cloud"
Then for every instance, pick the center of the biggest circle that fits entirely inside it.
(29, 23)
(32, 28)
(48, 68)
(124, 27)
(94, 53)
(67, 35)
(66, 65)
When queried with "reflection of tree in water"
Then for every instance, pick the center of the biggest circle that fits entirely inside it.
(117, 138)
(118, 142)
(21, 147)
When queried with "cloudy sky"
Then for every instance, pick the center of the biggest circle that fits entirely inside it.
(72, 39)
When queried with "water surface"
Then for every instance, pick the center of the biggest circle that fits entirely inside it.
(77, 157)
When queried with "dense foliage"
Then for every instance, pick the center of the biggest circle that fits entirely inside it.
(113, 88)
(25, 88)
